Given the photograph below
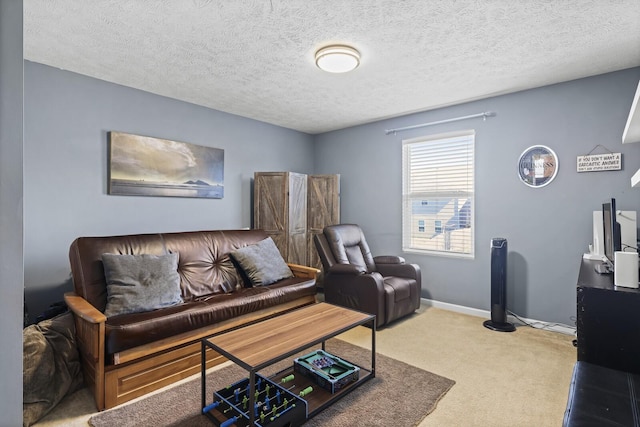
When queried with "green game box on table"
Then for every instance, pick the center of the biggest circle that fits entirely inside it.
(326, 370)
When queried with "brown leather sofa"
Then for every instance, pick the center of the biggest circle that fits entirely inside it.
(128, 355)
(384, 285)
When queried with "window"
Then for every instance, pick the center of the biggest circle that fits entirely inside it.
(437, 196)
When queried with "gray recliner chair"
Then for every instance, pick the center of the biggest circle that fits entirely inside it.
(384, 285)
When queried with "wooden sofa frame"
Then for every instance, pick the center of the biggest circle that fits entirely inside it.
(137, 371)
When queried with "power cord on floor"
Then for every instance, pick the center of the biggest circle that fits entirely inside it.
(540, 325)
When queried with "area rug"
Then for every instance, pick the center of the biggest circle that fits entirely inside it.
(399, 395)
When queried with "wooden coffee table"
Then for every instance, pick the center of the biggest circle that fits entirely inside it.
(256, 346)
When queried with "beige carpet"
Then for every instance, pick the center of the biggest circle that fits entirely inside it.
(374, 403)
(502, 379)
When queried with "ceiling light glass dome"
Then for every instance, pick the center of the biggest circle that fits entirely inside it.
(337, 59)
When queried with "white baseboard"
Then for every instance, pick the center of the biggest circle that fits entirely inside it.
(457, 308)
(538, 324)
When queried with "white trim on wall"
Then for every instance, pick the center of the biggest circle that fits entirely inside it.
(485, 314)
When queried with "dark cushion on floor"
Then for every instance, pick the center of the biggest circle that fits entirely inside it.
(51, 366)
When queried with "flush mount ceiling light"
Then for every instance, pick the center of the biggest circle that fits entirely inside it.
(337, 59)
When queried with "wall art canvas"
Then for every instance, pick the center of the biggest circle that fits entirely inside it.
(146, 166)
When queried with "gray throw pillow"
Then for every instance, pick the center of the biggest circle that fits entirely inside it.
(262, 262)
(137, 283)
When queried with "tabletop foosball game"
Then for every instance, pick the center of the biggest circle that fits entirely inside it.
(274, 406)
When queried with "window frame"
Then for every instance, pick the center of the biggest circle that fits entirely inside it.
(408, 198)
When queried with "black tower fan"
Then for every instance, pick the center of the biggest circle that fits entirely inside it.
(498, 320)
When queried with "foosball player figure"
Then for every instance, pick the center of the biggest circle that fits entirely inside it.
(245, 399)
(266, 403)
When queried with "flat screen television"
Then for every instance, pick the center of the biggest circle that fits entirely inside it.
(611, 231)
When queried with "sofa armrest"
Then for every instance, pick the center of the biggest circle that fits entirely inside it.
(409, 271)
(388, 259)
(81, 308)
(304, 271)
(90, 330)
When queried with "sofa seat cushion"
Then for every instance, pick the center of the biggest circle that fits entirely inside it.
(131, 330)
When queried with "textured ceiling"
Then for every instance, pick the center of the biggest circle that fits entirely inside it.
(254, 58)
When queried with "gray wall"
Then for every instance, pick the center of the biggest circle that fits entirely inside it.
(547, 228)
(67, 117)
(11, 213)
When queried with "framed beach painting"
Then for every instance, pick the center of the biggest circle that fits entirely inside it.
(146, 166)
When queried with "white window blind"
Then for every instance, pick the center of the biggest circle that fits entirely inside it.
(438, 194)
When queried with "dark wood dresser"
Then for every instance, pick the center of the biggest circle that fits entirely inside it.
(608, 321)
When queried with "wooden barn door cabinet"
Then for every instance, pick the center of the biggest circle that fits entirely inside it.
(280, 209)
(323, 208)
(292, 207)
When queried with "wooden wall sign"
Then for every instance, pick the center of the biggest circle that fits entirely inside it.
(599, 162)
